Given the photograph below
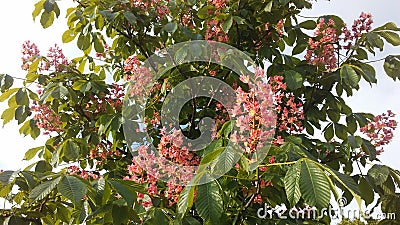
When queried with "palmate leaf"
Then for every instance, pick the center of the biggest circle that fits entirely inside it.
(185, 201)
(314, 184)
(43, 189)
(72, 188)
(209, 202)
(292, 185)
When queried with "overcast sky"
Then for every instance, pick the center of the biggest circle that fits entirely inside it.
(17, 26)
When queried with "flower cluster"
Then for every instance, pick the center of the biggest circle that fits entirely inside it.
(75, 170)
(219, 4)
(289, 112)
(99, 103)
(30, 52)
(321, 49)
(214, 31)
(380, 130)
(139, 76)
(146, 167)
(56, 58)
(107, 50)
(254, 115)
(145, 5)
(101, 152)
(46, 118)
(279, 27)
(187, 19)
(360, 26)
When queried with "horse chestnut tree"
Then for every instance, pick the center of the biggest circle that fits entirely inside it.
(89, 172)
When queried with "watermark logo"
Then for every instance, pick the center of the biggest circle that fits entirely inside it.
(139, 92)
(312, 213)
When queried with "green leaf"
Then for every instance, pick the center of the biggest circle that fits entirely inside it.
(120, 214)
(349, 75)
(361, 54)
(340, 131)
(72, 188)
(130, 17)
(103, 191)
(392, 66)
(22, 97)
(48, 6)
(373, 40)
(32, 152)
(292, 184)
(328, 133)
(369, 149)
(333, 114)
(185, 201)
(127, 189)
(299, 48)
(268, 7)
(314, 185)
(227, 159)
(388, 26)
(293, 79)
(43, 189)
(351, 124)
(369, 73)
(308, 24)
(8, 115)
(170, 27)
(367, 193)
(180, 55)
(98, 45)
(226, 26)
(71, 150)
(7, 94)
(209, 202)
(190, 221)
(226, 128)
(68, 36)
(47, 19)
(83, 41)
(7, 177)
(203, 12)
(38, 9)
(379, 174)
(391, 37)
(60, 92)
(211, 156)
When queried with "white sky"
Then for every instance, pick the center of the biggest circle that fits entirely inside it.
(17, 26)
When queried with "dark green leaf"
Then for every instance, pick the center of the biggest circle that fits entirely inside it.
(314, 185)
(209, 202)
(292, 184)
(226, 26)
(130, 17)
(43, 189)
(21, 97)
(366, 191)
(309, 24)
(170, 27)
(293, 79)
(185, 201)
(72, 188)
(379, 174)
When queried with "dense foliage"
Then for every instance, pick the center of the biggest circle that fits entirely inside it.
(88, 173)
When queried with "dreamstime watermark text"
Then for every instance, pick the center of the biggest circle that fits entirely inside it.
(312, 213)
